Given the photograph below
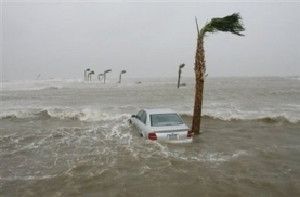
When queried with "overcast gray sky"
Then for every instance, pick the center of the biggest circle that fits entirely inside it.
(58, 40)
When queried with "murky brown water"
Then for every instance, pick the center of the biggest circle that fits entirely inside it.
(62, 142)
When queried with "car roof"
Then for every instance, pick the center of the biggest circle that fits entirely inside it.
(160, 111)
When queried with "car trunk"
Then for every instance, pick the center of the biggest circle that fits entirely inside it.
(172, 133)
(172, 129)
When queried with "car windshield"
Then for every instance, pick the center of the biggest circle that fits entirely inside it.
(159, 120)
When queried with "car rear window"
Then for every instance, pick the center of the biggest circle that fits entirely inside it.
(160, 120)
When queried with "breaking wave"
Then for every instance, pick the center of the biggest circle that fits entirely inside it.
(267, 119)
(61, 114)
(90, 115)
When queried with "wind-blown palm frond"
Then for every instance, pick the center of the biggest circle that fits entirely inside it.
(231, 23)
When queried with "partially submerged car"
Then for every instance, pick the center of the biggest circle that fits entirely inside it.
(161, 124)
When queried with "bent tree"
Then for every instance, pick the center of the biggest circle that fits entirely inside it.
(120, 76)
(231, 23)
(179, 74)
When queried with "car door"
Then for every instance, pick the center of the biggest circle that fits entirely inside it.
(137, 120)
(141, 123)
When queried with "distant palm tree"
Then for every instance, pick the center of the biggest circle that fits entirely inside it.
(231, 23)
(121, 73)
(90, 75)
(104, 74)
(100, 76)
(85, 73)
(179, 74)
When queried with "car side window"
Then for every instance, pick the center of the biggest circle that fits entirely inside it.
(139, 115)
(144, 117)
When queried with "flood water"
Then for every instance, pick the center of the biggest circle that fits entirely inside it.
(71, 138)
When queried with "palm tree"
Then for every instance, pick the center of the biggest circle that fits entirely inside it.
(85, 74)
(104, 74)
(179, 74)
(231, 23)
(90, 75)
(122, 72)
(100, 76)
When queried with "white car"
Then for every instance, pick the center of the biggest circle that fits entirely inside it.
(161, 124)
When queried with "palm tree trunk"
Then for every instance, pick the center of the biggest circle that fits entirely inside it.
(120, 78)
(197, 106)
(199, 87)
(179, 75)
